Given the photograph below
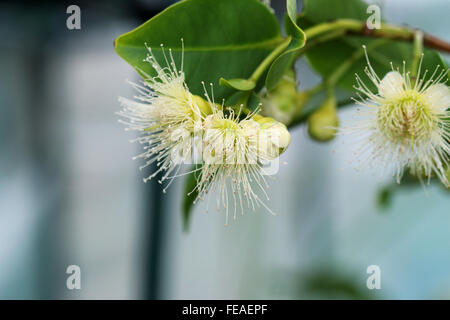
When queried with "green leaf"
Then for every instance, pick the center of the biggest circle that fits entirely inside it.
(282, 64)
(222, 38)
(237, 98)
(291, 23)
(285, 60)
(189, 198)
(253, 102)
(327, 10)
(328, 56)
(380, 59)
(238, 84)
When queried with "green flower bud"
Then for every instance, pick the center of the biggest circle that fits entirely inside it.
(273, 135)
(203, 105)
(322, 124)
(283, 102)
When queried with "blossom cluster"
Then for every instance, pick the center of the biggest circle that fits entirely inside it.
(229, 146)
(404, 123)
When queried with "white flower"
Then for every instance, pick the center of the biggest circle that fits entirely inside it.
(233, 154)
(405, 123)
(166, 115)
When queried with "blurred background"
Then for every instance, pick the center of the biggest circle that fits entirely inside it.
(71, 195)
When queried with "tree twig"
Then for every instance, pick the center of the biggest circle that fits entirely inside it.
(388, 31)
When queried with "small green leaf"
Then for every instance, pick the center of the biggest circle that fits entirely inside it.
(285, 60)
(189, 197)
(222, 38)
(238, 84)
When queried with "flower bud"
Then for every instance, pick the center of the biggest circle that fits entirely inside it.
(203, 106)
(273, 137)
(283, 102)
(322, 124)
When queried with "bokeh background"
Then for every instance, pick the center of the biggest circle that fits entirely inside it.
(70, 193)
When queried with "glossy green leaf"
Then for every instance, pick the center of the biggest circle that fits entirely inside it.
(327, 10)
(285, 60)
(222, 38)
(238, 84)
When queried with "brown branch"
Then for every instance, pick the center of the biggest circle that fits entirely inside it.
(436, 43)
(429, 40)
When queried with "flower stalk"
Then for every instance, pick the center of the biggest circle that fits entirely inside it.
(269, 59)
(418, 53)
